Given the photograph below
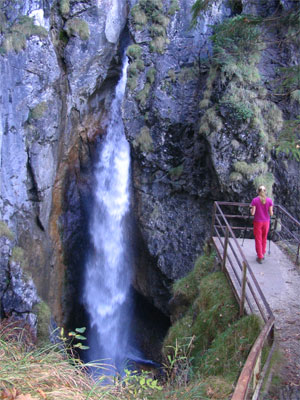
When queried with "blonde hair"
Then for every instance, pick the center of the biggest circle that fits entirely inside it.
(262, 194)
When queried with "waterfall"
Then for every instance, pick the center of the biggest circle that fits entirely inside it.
(108, 268)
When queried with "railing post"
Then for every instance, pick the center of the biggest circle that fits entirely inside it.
(225, 249)
(242, 302)
(298, 251)
(213, 220)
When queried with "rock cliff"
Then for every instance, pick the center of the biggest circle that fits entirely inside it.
(202, 127)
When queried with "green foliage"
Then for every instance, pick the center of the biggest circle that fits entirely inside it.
(187, 74)
(150, 14)
(289, 78)
(236, 39)
(64, 7)
(211, 123)
(74, 336)
(235, 177)
(132, 82)
(137, 385)
(144, 140)
(239, 111)
(5, 231)
(250, 169)
(187, 287)
(43, 313)
(157, 45)
(142, 95)
(77, 27)
(198, 7)
(230, 349)
(38, 111)
(134, 51)
(289, 139)
(151, 74)
(22, 29)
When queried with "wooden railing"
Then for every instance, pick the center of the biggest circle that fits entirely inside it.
(245, 287)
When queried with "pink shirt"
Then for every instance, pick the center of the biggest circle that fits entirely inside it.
(262, 210)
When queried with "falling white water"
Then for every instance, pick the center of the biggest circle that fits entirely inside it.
(108, 276)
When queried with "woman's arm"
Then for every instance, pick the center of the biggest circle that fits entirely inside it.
(253, 208)
(271, 210)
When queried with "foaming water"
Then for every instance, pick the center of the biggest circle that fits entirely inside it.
(108, 269)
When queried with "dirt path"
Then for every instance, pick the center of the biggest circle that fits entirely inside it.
(279, 280)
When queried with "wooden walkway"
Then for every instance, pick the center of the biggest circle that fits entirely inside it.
(279, 280)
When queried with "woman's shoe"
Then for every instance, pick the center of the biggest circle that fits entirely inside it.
(259, 260)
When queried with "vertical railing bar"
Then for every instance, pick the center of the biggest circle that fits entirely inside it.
(242, 303)
(225, 249)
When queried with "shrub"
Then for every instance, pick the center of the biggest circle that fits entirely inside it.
(134, 51)
(77, 27)
(16, 36)
(249, 169)
(151, 73)
(157, 45)
(175, 173)
(139, 17)
(143, 94)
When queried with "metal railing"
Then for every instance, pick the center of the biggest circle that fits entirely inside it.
(285, 229)
(245, 287)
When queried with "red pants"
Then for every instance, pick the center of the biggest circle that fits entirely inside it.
(260, 230)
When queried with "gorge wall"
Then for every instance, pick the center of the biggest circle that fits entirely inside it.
(200, 129)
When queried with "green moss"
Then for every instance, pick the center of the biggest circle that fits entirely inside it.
(16, 36)
(132, 82)
(215, 309)
(210, 122)
(151, 74)
(144, 140)
(18, 256)
(77, 27)
(172, 75)
(229, 350)
(205, 103)
(134, 51)
(38, 111)
(142, 95)
(5, 231)
(174, 6)
(43, 314)
(140, 65)
(235, 177)
(187, 74)
(175, 173)
(267, 179)
(157, 30)
(187, 289)
(250, 169)
(157, 45)
(64, 7)
(139, 17)
(161, 19)
(3, 23)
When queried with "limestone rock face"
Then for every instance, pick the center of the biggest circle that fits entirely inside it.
(18, 294)
(52, 73)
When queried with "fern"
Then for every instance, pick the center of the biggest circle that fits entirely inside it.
(289, 139)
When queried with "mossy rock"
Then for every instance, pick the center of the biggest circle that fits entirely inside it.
(64, 7)
(144, 140)
(5, 231)
(77, 27)
(18, 256)
(151, 74)
(134, 51)
(38, 111)
(43, 314)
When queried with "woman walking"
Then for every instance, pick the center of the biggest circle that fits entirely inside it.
(262, 209)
